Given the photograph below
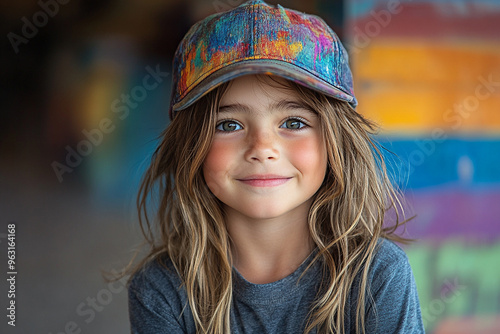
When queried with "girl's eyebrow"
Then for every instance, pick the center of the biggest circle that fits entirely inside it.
(278, 105)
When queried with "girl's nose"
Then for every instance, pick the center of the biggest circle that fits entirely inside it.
(262, 146)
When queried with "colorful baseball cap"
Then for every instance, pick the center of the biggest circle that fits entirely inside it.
(256, 38)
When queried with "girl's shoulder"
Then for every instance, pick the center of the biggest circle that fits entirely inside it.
(388, 253)
(157, 299)
(158, 282)
(393, 298)
(389, 263)
(157, 274)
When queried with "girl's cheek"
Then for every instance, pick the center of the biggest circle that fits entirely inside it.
(217, 166)
(308, 151)
(219, 156)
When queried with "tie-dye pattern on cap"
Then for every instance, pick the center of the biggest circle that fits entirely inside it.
(258, 38)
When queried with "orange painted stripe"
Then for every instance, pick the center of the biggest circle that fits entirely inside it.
(414, 87)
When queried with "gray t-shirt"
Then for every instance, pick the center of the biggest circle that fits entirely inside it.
(156, 302)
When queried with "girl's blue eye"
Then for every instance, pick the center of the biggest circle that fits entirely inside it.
(293, 124)
(228, 126)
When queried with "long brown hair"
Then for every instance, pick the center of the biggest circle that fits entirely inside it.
(345, 219)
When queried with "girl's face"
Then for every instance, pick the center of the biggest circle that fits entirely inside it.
(268, 157)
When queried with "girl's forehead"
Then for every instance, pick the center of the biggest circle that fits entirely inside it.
(258, 87)
(261, 97)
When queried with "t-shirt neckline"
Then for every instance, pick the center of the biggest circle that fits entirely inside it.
(278, 291)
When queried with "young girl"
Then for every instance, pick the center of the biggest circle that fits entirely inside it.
(272, 193)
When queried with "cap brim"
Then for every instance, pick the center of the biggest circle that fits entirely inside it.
(261, 66)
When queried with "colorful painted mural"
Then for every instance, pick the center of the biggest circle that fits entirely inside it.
(429, 73)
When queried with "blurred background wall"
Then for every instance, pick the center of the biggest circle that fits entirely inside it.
(429, 73)
(85, 91)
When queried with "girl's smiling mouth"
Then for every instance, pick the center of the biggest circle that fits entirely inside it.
(264, 180)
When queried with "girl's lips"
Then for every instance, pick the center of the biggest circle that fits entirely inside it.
(265, 180)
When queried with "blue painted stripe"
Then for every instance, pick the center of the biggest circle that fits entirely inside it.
(423, 162)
